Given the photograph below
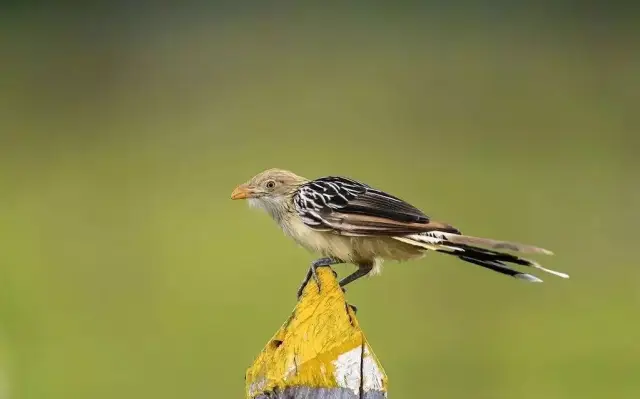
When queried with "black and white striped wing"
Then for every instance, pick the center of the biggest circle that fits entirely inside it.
(348, 207)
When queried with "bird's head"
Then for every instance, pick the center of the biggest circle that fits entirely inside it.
(270, 190)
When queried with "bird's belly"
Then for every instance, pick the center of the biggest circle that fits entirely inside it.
(350, 249)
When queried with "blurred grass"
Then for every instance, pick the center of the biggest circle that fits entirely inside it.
(128, 272)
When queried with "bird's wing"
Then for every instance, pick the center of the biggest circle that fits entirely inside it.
(348, 207)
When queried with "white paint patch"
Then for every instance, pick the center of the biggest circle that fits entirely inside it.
(372, 373)
(347, 371)
(257, 386)
(292, 369)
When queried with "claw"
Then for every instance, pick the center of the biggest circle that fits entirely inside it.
(314, 273)
(322, 262)
(304, 284)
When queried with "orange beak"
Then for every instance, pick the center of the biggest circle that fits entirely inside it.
(241, 192)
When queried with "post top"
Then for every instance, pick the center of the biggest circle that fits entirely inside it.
(319, 352)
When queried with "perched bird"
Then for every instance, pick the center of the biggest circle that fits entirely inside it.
(347, 221)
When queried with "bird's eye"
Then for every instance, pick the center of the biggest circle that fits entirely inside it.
(271, 184)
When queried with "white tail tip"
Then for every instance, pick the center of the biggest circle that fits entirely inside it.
(555, 273)
(559, 274)
(528, 277)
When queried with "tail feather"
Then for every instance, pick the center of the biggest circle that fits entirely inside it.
(499, 267)
(482, 252)
(495, 244)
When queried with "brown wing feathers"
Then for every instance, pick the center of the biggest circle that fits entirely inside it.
(349, 207)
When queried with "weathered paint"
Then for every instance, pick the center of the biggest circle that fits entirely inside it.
(318, 347)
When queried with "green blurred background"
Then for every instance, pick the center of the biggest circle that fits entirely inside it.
(127, 272)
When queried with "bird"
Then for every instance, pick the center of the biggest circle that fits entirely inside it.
(347, 221)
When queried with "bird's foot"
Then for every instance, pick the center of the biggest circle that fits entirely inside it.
(322, 262)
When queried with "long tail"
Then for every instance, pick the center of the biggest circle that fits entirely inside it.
(483, 252)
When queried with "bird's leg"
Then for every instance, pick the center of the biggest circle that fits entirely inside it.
(362, 271)
(322, 262)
